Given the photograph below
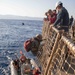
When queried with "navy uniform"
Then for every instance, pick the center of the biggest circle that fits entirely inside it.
(62, 20)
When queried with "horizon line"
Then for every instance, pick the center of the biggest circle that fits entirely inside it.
(19, 15)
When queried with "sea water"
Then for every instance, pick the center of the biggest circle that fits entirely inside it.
(13, 33)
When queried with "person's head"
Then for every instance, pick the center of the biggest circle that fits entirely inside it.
(15, 64)
(50, 12)
(28, 61)
(22, 58)
(59, 5)
(46, 13)
(39, 36)
(54, 11)
(71, 16)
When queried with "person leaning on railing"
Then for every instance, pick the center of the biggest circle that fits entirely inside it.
(33, 44)
(71, 21)
(51, 16)
(46, 19)
(48, 15)
(62, 21)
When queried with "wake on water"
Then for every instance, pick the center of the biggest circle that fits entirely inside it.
(12, 36)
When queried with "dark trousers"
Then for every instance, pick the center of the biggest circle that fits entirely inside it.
(65, 28)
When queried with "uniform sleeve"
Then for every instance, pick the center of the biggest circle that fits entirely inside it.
(59, 18)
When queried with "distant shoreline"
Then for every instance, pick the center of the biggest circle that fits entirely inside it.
(13, 17)
(21, 19)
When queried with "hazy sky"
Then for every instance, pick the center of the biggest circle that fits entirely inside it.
(33, 8)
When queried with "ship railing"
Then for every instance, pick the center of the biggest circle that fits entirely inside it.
(62, 62)
(72, 31)
(51, 37)
(57, 55)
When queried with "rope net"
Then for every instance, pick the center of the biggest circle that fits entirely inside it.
(57, 55)
(51, 36)
(63, 61)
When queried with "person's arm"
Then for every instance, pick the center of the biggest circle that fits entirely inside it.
(59, 17)
(26, 71)
(27, 68)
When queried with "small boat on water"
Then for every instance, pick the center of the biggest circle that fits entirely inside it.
(13, 69)
(17, 67)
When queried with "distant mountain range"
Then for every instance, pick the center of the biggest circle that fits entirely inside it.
(19, 17)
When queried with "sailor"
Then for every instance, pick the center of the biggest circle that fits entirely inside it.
(71, 20)
(15, 69)
(26, 68)
(62, 17)
(22, 58)
(52, 16)
(33, 44)
(46, 14)
(16, 64)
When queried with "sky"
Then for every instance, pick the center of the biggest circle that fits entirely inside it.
(33, 8)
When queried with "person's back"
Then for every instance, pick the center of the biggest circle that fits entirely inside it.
(62, 17)
(26, 69)
(65, 17)
(71, 21)
(35, 46)
(27, 45)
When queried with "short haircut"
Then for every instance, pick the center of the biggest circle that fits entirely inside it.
(61, 4)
